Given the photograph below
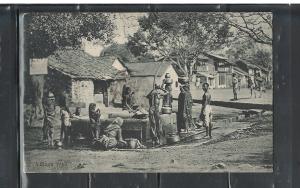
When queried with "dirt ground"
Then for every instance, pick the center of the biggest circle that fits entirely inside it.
(245, 146)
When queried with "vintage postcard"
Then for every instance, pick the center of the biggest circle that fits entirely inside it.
(146, 92)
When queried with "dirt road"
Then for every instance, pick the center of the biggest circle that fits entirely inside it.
(243, 146)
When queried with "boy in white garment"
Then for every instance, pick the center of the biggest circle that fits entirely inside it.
(206, 111)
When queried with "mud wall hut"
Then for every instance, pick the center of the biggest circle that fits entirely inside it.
(85, 78)
(144, 75)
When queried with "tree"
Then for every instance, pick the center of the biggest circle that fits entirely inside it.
(255, 25)
(258, 54)
(179, 36)
(46, 32)
(119, 50)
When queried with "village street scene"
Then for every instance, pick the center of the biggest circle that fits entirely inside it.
(147, 92)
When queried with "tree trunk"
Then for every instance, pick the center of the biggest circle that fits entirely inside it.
(38, 82)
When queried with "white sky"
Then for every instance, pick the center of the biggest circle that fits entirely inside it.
(127, 24)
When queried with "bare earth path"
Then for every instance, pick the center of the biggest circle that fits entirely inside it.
(240, 146)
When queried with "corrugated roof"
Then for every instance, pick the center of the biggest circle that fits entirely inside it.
(147, 69)
(78, 64)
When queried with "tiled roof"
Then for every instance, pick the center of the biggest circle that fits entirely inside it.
(240, 70)
(147, 69)
(78, 64)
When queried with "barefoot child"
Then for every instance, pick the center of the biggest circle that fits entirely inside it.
(206, 112)
(95, 124)
(65, 136)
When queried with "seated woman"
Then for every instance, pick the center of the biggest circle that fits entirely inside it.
(112, 136)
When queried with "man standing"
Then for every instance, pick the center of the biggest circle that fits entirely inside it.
(251, 86)
(206, 112)
(185, 103)
(154, 102)
(234, 86)
(258, 84)
(64, 106)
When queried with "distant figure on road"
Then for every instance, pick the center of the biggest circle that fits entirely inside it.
(198, 82)
(251, 86)
(239, 83)
(206, 112)
(258, 84)
(234, 86)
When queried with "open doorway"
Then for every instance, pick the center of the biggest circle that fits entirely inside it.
(101, 92)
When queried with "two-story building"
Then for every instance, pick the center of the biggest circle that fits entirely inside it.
(205, 69)
(217, 71)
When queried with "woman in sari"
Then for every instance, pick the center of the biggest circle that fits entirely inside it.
(112, 135)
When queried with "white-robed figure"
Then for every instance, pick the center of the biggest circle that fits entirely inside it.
(206, 110)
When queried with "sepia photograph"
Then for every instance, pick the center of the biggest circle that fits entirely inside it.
(147, 92)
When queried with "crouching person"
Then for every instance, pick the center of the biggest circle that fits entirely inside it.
(65, 133)
(112, 136)
(95, 124)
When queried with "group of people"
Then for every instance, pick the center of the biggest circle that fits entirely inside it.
(107, 136)
(110, 136)
(50, 118)
(184, 116)
(255, 84)
(103, 136)
(185, 103)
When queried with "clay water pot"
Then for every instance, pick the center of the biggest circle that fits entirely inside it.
(132, 143)
(173, 138)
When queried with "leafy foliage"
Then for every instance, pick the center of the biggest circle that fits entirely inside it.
(253, 52)
(255, 25)
(179, 36)
(46, 32)
(119, 50)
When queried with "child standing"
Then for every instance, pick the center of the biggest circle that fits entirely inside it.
(206, 111)
(65, 132)
(95, 124)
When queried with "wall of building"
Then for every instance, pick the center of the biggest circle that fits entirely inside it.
(115, 91)
(82, 91)
(142, 87)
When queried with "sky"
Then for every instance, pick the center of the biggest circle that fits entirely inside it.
(126, 25)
